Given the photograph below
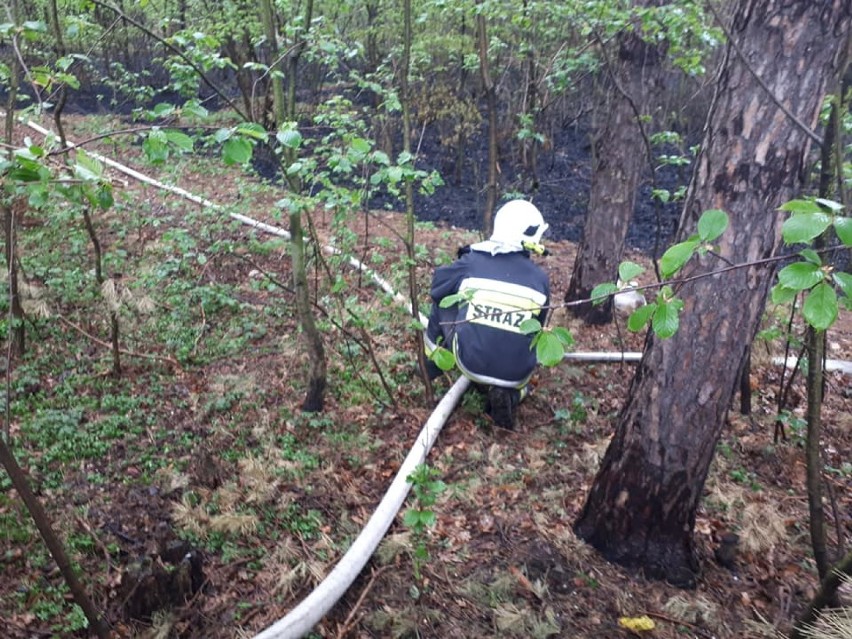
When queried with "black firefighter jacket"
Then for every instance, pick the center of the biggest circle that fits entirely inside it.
(505, 289)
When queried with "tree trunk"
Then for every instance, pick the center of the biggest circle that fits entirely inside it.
(815, 343)
(413, 289)
(640, 511)
(270, 30)
(491, 108)
(17, 329)
(296, 53)
(461, 135)
(617, 164)
(529, 146)
(315, 393)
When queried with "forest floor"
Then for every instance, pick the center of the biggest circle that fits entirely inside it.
(194, 484)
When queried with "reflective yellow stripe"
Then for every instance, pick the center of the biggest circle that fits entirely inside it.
(501, 305)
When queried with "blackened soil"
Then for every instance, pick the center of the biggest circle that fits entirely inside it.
(559, 187)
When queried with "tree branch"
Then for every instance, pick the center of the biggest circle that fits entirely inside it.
(179, 53)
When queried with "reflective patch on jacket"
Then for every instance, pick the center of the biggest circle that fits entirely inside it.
(501, 305)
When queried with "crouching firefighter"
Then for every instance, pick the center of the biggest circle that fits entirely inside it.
(500, 287)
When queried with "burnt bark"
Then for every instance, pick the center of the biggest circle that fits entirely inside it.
(640, 511)
(617, 163)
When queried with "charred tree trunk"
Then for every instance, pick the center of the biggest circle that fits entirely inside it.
(617, 165)
(640, 511)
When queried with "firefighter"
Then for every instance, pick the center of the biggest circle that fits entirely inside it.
(500, 287)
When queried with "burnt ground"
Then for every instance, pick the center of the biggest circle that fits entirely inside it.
(559, 185)
(198, 501)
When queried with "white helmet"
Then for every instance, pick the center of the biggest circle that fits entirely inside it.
(518, 223)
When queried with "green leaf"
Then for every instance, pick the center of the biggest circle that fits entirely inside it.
(811, 256)
(90, 164)
(549, 350)
(712, 224)
(844, 281)
(411, 518)
(236, 151)
(782, 294)
(193, 107)
(394, 174)
(162, 110)
(530, 325)
(601, 292)
(360, 146)
(639, 318)
(800, 276)
(831, 205)
(628, 270)
(803, 227)
(800, 206)
(69, 79)
(289, 139)
(564, 335)
(25, 174)
(452, 300)
(221, 135)
(843, 228)
(35, 25)
(252, 130)
(667, 318)
(443, 358)
(180, 139)
(104, 197)
(155, 150)
(676, 256)
(39, 196)
(380, 157)
(663, 195)
(820, 307)
(437, 486)
(84, 173)
(428, 518)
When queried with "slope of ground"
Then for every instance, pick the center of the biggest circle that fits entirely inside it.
(198, 501)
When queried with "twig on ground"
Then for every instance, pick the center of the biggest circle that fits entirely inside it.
(200, 330)
(350, 619)
(99, 342)
(680, 622)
